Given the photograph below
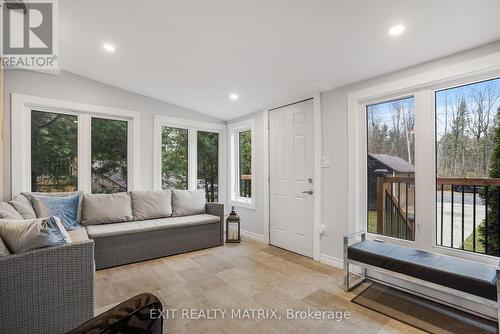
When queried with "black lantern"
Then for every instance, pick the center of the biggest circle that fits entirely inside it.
(233, 227)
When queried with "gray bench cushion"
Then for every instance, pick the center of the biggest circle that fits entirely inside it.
(471, 277)
(109, 230)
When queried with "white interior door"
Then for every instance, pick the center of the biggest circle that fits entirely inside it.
(291, 135)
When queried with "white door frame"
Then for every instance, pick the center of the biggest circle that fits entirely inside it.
(317, 175)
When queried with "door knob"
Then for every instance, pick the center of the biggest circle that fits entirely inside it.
(310, 192)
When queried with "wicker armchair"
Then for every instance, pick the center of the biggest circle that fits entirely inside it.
(48, 290)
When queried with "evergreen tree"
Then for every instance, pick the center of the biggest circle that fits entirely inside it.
(490, 240)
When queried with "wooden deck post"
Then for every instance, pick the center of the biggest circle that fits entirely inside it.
(380, 203)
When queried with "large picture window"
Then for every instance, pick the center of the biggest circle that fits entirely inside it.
(54, 152)
(390, 168)
(208, 164)
(109, 155)
(174, 158)
(468, 167)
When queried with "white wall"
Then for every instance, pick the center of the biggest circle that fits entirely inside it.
(335, 178)
(72, 87)
(335, 146)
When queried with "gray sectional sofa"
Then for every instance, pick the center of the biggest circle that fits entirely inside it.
(51, 289)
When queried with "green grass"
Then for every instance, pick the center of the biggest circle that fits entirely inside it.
(372, 221)
(468, 243)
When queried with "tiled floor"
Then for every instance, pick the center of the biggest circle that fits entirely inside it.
(235, 277)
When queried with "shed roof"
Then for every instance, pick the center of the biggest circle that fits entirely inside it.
(395, 163)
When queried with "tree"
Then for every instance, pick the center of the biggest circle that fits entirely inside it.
(174, 157)
(490, 240)
(208, 164)
(54, 149)
(109, 155)
(245, 159)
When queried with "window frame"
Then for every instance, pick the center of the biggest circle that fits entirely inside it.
(218, 159)
(234, 178)
(129, 146)
(22, 106)
(365, 106)
(192, 127)
(423, 87)
(189, 149)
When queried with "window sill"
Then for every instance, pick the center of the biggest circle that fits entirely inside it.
(243, 203)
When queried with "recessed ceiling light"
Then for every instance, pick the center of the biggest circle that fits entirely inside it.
(397, 30)
(233, 97)
(109, 47)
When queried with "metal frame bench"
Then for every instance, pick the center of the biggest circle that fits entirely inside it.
(396, 262)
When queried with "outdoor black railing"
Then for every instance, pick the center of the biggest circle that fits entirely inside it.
(468, 208)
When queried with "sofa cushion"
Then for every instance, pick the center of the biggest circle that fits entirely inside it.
(4, 251)
(24, 235)
(109, 230)
(106, 208)
(7, 211)
(464, 275)
(66, 208)
(29, 196)
(151, 204)
(188, 202)
(23, 206)
(78, 235)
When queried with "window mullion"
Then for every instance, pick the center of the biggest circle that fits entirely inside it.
(84, 153)
(424, 170)
(192, 158)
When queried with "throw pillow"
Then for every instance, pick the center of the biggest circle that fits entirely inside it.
(29, 196)
(66, 208)
(7, 211)
(23, 206)
(106, 208)
(151, 204)
(24, 235)
(188, 202)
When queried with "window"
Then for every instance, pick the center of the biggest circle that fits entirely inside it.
(242, 163)
(245, 163)
(390, 168)
(174, 158)
(60, 146)
(109, 155)
(54, 152)
(208, 164)
(468, 167)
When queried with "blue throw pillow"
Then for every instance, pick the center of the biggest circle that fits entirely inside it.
(66, 208)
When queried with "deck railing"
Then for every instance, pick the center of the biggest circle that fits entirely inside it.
(466, 217)
(396, 206)
(246, 186)
(469, 203)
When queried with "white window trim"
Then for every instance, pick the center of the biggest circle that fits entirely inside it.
(193, 127)
(422, 87)
(233, 130)
(21, 107)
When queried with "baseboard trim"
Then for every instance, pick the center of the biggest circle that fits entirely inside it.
(253, 236)
(331, 261)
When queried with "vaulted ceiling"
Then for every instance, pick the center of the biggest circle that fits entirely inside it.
(195, 53)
